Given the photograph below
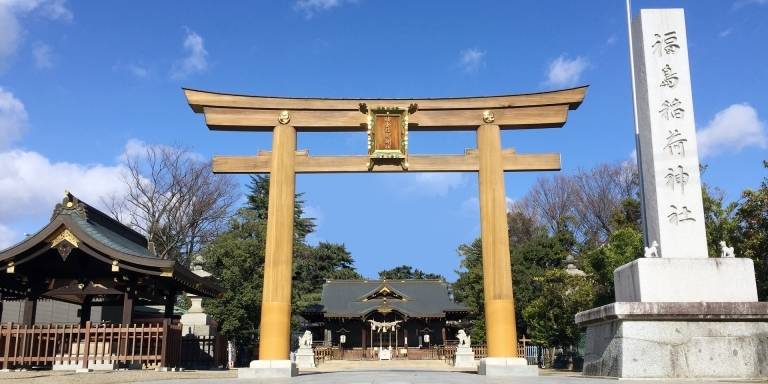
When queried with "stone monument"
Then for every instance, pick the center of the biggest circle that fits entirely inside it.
(195, 321)
(305, 357)
(465, 357)
(678, 312)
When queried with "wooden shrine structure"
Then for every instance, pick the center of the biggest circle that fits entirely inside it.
(387, 122)
(85, 258)
(422, 314)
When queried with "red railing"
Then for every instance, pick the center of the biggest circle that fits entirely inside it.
(45, 345)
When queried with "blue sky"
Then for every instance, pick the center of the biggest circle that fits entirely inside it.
(83, 82)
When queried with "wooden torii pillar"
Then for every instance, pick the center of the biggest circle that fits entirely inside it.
(284, 117)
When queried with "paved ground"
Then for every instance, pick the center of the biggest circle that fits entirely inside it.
(48, 377)
(345, 373)
(416, 377)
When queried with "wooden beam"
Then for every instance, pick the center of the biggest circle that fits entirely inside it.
(198, 99)
(468, 162)
(238, 119)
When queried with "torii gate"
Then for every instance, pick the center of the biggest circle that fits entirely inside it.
(387, 122)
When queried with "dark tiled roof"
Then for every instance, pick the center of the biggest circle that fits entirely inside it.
(356, 298)
(105, 229)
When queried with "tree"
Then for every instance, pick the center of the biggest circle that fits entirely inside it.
(583, 203)
(550, 316)
(313, 266)
(258, 201)
(174, 199)
(534, 252)
(236, 258)
(720, 219)
(752, 214)
(468, 288)
(599, 193)
(624, 245)
(405, 272)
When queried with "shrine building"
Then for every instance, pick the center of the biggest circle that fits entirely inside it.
(368, 314)
(85, 276)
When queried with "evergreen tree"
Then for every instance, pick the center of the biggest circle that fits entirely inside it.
(405, 272)
(752, 233)
(236, 258)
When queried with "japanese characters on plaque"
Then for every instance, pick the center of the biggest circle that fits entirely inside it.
(673, 213)
(388, 135)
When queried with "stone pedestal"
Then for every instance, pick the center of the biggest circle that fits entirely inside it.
(686, 280)
(677, 340)
(305, 358)
(506, 366)
(465, 358)
(92, 366)
(268, 369)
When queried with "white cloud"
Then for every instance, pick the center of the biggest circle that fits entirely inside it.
(612, 40)
(10, 28)
(7, 237)
(311, 7)
(731, 130)
(138, 149)
(725, 32)
(742, 3)
(137, 70)
(25, 193)
(43, 55)
(55, 10)
(472, 59)
(563, 71)
(472, 204)
(13, 119)
(435, 183)
(633, 156)
(9, 35)
(510, 202)
(196, 59)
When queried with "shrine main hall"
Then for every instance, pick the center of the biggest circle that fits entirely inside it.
(401, 315)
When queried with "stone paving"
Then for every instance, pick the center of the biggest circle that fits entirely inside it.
(420, 373)
(418, 377)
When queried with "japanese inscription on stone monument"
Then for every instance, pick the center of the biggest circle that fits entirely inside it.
(672, 210)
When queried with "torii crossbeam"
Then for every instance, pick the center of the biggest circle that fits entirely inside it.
(387, 122)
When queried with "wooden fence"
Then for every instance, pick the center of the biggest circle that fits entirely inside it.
(45, 345)
(203, 352)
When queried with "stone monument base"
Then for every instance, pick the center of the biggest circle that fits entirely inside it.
(305, 358)
(465, 358)
(268, 369)
(506, 366)
(676, 340)
(686, 280)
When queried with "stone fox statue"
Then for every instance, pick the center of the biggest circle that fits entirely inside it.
(305, 341)
(725, 250)
(464, 339)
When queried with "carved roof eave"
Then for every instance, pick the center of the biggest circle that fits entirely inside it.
(157, 267)
(198, 99)
(379, 288)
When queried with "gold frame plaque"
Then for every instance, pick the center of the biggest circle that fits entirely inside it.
(382, 147)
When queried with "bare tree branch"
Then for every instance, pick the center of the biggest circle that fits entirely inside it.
(174, 199)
